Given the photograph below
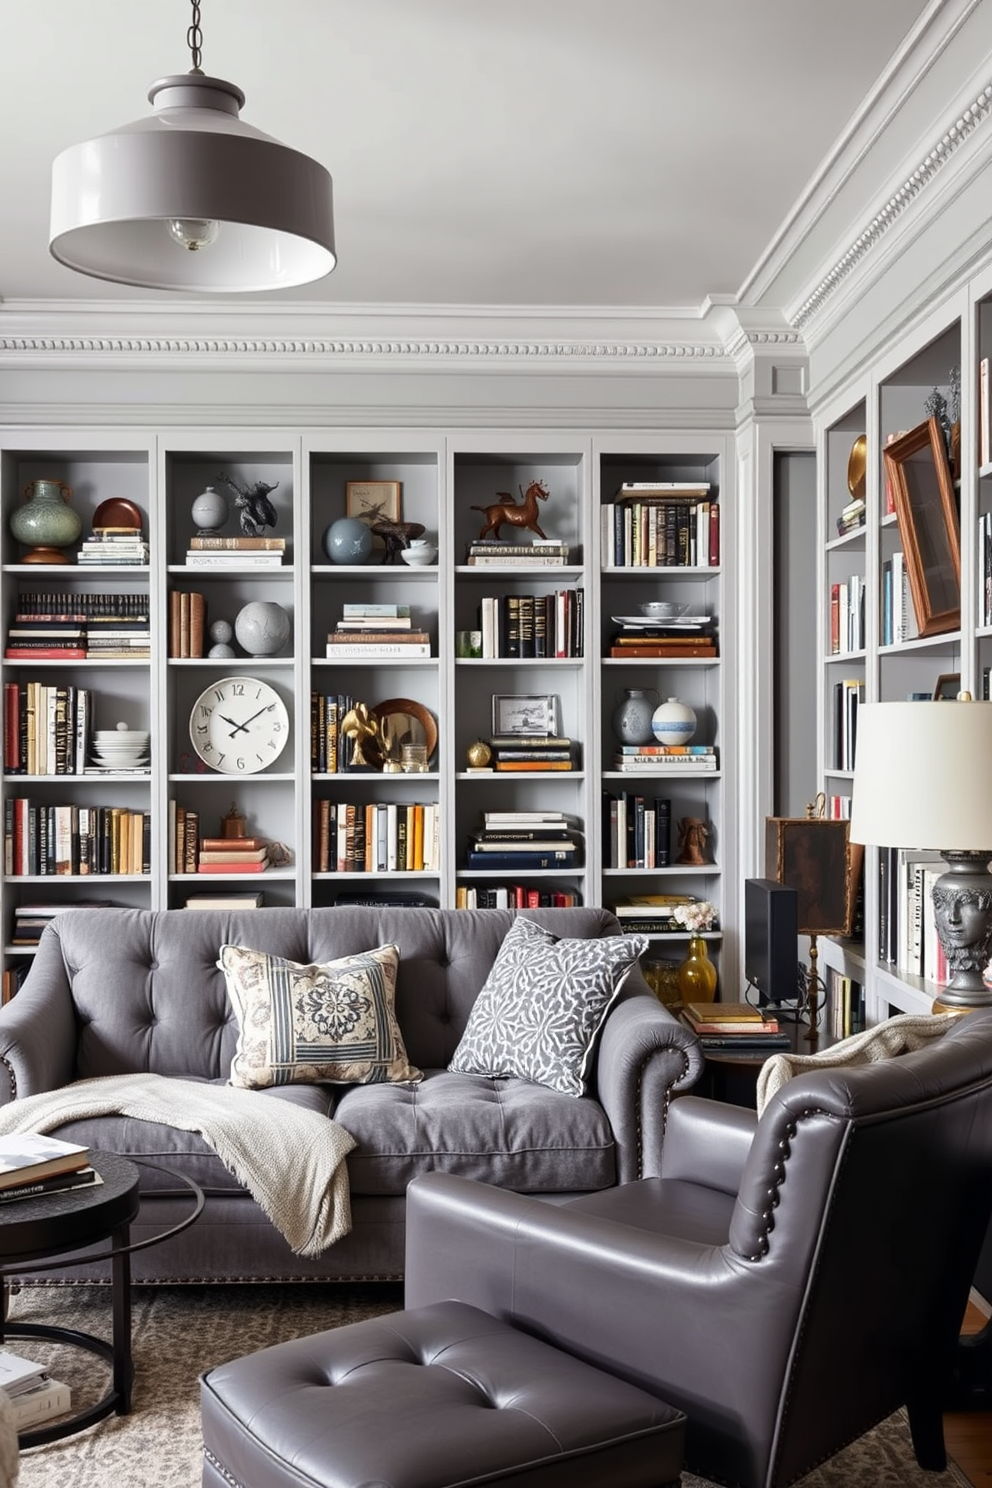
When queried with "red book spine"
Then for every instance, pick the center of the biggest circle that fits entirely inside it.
(714, 557)
(232, 868)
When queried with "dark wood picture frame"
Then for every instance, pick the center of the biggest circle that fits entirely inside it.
(947, 687)
(920, 475)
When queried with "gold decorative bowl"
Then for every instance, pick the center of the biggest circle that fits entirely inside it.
(856, 467)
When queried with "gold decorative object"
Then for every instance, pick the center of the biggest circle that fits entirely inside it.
(361, 724)
(697, 974)
(479, 754)
(856, 466)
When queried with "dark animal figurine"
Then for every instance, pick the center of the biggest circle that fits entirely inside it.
(507, 511)
(255, 510)
(395, 535)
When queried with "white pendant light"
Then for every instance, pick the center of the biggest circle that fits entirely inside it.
(192, 198)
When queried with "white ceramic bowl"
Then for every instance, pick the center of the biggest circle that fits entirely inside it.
(662, 609)
(419, 557)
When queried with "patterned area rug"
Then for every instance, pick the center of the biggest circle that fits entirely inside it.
(180, 1331)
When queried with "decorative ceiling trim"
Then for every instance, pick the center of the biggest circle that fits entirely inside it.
(977, 112)
(363, 349)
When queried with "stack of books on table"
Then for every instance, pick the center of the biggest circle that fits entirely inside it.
(232, 855)
(525, 840)
(34, 1396)
(235, 552)
(32, 1164)
(652, 914)
(118, 547)
(375, 631)
(726, 1026)
(529, 753)
(663, 759)
(691, 637)
(536, 552)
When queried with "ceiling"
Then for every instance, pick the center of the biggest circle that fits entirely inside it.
(580, 153)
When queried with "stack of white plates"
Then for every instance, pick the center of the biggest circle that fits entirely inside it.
(120, 748)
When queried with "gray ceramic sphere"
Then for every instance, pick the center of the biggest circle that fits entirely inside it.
(262, 627)
(348, 541)
(221, 651)
(223, 632)
(209, 510)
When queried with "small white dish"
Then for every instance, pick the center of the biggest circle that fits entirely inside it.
(421, 556)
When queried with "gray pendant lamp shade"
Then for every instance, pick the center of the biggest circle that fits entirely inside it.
(246, 212)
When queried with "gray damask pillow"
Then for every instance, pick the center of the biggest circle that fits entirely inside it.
(542, 1005)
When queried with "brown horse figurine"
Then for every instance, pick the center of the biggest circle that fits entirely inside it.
(507, 511)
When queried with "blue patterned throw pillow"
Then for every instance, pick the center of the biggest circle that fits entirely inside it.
(543, 1004)
(305, 1024)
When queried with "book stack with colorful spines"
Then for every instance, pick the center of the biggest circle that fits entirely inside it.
(375, 631)
(526, 842)
(733, 1025)
(664, 759)
(232, 855)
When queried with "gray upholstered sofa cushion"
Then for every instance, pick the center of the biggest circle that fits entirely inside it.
(115, 991)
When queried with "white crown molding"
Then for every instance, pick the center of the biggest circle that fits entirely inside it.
(929, 169)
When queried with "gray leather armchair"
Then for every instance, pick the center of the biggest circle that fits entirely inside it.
(787, 1282)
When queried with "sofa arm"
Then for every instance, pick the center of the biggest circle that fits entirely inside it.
(38, 1028)
(645, 1056)
(707, 1142)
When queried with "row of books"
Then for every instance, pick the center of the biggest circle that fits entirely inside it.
(191, 853)
(665, 759)
(187, 624)
(518, 842)
(898, 618)
(673, 525)
(115, 547)
(54, 626)
(907, 927)
(985, 568)
(514, 896)
(636, 830)
(46, 728)
(652, 914)
(727, 1026)
(208, 551)
(376, 631)
(847, 616)
(12, 979)
(331, 751)
(64, 840)
(537, 552)
(849, 694)
(376, 836)
(523, 625)
(845, 1011)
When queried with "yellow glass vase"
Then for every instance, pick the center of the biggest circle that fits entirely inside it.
(697, 974)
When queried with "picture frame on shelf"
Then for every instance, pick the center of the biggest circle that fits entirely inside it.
(373, 498)
(947, 687)
(525, 715)
(920, 475)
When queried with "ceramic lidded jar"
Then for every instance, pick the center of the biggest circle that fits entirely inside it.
(673, 722)
(46, 522)
(632, 716)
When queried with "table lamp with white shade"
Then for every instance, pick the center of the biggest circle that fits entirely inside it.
(923, 779)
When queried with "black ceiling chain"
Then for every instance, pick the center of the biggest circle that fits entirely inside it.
(194, 37)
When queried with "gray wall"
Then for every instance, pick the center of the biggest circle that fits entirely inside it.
(795, 632)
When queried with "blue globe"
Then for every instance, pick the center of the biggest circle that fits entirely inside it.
(348, 541)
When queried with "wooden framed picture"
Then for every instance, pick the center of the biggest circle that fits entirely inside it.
(525, 716)
(947, 687)
(920, 476)
(370, 499)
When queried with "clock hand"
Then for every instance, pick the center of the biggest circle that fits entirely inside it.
(242, 728)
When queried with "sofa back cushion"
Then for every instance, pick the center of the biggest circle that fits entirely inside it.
(149, 995)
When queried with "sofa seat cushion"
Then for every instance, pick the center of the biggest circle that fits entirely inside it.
(183, 1150)
(511, 1133)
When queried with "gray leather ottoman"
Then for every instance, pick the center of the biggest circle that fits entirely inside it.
(432, 1398)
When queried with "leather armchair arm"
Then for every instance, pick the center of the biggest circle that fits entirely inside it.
(645, 1057)
(38, 1028)
(707, 1142)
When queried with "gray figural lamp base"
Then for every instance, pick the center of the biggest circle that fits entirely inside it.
(962, 899)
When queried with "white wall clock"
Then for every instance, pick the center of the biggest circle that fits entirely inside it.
(239, 725)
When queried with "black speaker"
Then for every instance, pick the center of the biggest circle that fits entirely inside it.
(771, 939)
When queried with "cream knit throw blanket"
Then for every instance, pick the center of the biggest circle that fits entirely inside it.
(291, 1160)
(897, 1035)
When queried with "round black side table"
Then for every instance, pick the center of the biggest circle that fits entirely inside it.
(49, 1230)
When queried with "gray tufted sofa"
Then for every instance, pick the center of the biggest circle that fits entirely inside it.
(118, 991)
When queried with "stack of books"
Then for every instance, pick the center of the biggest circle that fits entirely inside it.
(31, 919)
(852, 516)
(115, 547)
(34, 1396)
(232, 855)
(664, 759)
(691, 637)
(525, 840)
(48, 627)
(225, 901)
(32, 1164)
(652, 914)
(375, 631)
(235, 552)
(122, 633)
(532, 753)
(535, 552)
(726, 1026)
